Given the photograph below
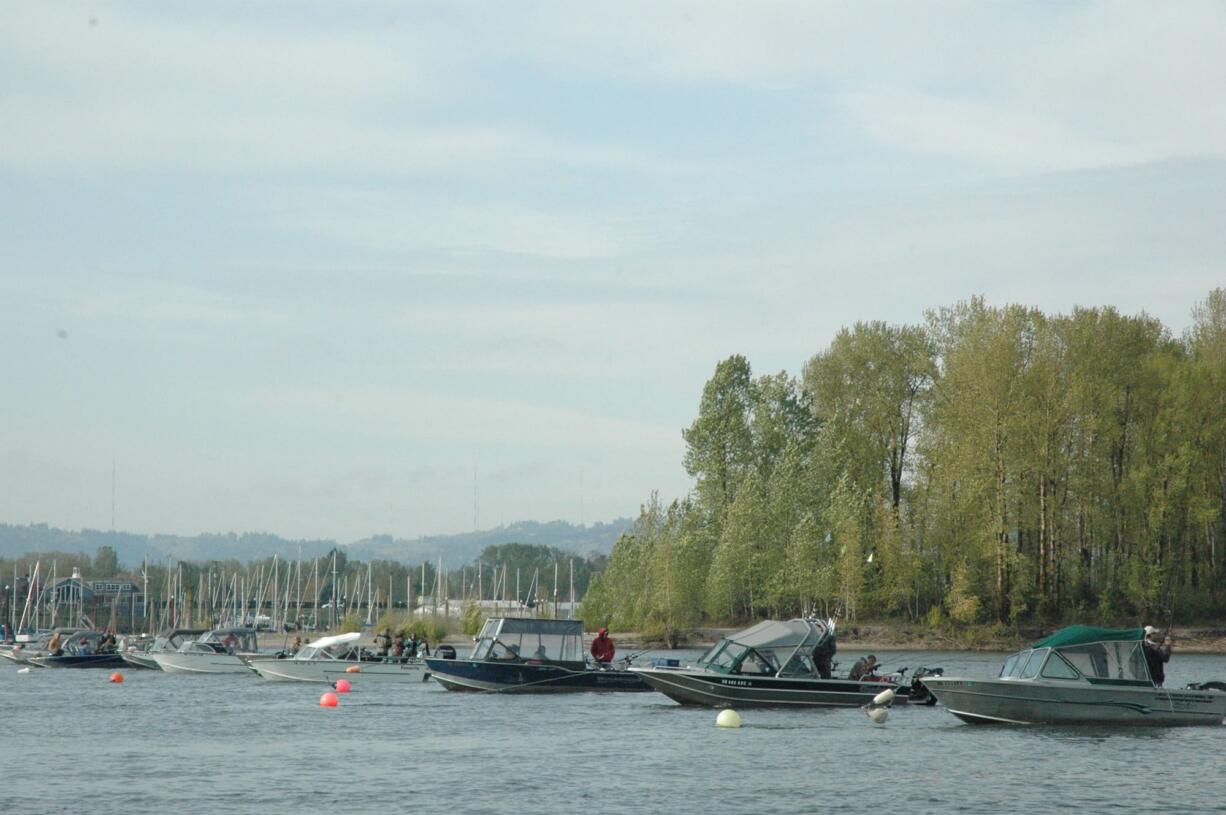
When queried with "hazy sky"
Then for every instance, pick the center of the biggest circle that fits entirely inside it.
(318, 269)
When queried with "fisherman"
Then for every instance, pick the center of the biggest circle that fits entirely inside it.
(53, 647)
(398, 646)
(297, 646)
(413, 642)
(863, 668)
(824, 658)
(603, 648)
(384, 642)
(1157, 653)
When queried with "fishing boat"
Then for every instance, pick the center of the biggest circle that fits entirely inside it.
(83, 649)
(219, 651)
(525, 655)
(21, 651)
(328, 659)
(776, 663)
(1078, 675)
(170, 640)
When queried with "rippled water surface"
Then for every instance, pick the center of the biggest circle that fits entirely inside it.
(162, 743)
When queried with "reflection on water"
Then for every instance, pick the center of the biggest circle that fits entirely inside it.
(237, 744)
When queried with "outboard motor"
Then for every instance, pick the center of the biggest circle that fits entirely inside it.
(1207, 686)
(920, 695)
(444, 652)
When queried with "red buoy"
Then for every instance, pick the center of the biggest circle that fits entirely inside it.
(117, 677)
(342, 686)
(328, 700)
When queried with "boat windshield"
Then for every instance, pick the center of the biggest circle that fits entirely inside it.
(723, 656)
(231, 641)
(1014, 664)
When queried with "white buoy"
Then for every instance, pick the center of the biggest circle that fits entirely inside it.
(728, 718)
(877, 715)
(25, 670)
(886, 697)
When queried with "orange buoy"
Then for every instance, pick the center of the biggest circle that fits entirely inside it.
(117, 677)
(353, 669)
(328, 700)
(343, 686)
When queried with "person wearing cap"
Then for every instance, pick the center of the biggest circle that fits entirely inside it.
(1157, 653)
(602, 648)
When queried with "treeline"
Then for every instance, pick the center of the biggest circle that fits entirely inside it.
(993, 465)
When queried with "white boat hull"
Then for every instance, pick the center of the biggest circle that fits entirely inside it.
(330, 670)
(174, 662)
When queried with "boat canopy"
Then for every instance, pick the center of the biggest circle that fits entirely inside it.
(1082, 652)
(328, 647)
(1083, 634)
(772, 648)
(529, 639)
(771, 634)
(230, 640)
(335, 639)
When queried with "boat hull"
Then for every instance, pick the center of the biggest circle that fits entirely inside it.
(526, 677)
(999, 701)
(328, 671)
(175, 662)
(712, 689)
(141, 659)
(79, 661)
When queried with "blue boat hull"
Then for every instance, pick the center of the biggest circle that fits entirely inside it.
(528, 677)
(80, 661)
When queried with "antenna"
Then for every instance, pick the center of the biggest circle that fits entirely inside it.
(476, 502)
(112, 492)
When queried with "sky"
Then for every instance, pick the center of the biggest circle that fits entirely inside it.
(330, 270)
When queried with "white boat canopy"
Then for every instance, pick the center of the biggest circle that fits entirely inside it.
(772, 634)
(335, 639)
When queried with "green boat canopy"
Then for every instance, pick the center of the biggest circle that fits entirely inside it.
(1082, 634)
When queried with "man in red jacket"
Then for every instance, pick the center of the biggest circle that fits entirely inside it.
(602, 648)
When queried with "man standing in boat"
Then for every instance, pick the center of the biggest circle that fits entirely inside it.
(603, 649)
(1156, 654)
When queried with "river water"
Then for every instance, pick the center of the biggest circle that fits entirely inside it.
(72, 742)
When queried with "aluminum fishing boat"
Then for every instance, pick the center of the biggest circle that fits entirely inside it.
(328, 659)
(775, 663)
(170, 640)
(1079, 675)
(525, 655)
(219, 651)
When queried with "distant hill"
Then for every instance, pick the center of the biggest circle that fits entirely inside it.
(453, 550)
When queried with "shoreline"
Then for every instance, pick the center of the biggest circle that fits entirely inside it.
(890, 638)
